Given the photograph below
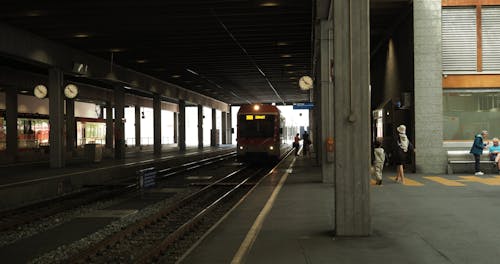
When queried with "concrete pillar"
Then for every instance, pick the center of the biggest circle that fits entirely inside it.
(70, 125)
(326, 102)
(176, 128)
(109, 125)
(224, 127)
(230, 127)
(214, 127)
(138, 117)
(157, 124)
(182, 125)
(200, 126)
(351, 45)
(119, 125)
(11, 122)
(56, 118)
(430, 156)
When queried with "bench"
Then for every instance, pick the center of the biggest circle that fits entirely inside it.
(461, 158)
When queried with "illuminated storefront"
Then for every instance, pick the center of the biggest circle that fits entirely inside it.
(90, 131)
(32, 132)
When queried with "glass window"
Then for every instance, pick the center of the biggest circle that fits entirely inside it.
(262, 126)
(467, 113)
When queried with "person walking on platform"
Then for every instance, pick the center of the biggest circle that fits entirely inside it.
(378, 163)
(401, 153)
(296, 144)
(477, 150)
(494, 150)
(306, 143)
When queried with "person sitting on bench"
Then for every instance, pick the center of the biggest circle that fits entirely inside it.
(494, 150)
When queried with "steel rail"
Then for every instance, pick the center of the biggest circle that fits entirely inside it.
(150, 220)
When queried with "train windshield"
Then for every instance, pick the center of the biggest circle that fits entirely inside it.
(251, 126)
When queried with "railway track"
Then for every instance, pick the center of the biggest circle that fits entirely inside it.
(13, 219)
(155, 238)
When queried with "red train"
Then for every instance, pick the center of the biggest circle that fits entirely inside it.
(260, 133)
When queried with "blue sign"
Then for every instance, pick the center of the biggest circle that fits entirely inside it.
(303, 106)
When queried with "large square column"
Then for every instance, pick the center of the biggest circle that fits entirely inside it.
(213, 135)
(137, 125)
(326, 103)
(176, 126)
(11, 122)
(230, 126)
(351, 75)
(157, 124)
(70, 125)
(182, 125)
(119, 125)
(56, 118)
(430, 155)
(109, 125)
(200, 126)
(224, 127)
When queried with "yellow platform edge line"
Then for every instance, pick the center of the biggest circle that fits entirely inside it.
(494, 181)
(409, 182)
(444, 181)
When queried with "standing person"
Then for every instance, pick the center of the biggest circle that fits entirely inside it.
(477, 150)
(379, 154)
(401, 153)
(306, 142)
(494, 150)
(296, 144)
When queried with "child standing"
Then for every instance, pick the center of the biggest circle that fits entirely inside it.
(379, 154)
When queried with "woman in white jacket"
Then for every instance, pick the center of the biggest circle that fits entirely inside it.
(379, 154)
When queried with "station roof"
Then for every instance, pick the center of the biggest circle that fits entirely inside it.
(236, 51)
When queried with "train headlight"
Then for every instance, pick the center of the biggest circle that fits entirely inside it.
(241, 147)
(271, 148)
(256, 107)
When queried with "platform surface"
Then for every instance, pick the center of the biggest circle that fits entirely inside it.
(430, 219)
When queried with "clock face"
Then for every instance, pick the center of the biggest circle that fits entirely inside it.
(40, 91)
(71, 91)
(305, 83)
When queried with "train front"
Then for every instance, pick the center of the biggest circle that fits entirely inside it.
(259, 133)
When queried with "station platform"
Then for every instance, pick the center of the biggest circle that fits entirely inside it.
(429, 219)
(37, 181)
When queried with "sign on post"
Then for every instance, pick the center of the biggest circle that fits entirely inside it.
(303, 106)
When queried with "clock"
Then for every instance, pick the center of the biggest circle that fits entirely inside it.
(305, 82)
(40, 91)
(71, 91)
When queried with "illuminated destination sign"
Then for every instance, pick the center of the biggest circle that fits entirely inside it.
(255, 117)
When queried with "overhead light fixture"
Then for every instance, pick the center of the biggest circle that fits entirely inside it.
(81, 35)
(193, 72)
(288, 65)
(290, 72)
(175, 76)
(286, 56)
(117, 49)
(23, 91)
(282, 44)
(269, 4)
(293, 78)
(127, 87)
(35, 13)
(142, 61)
